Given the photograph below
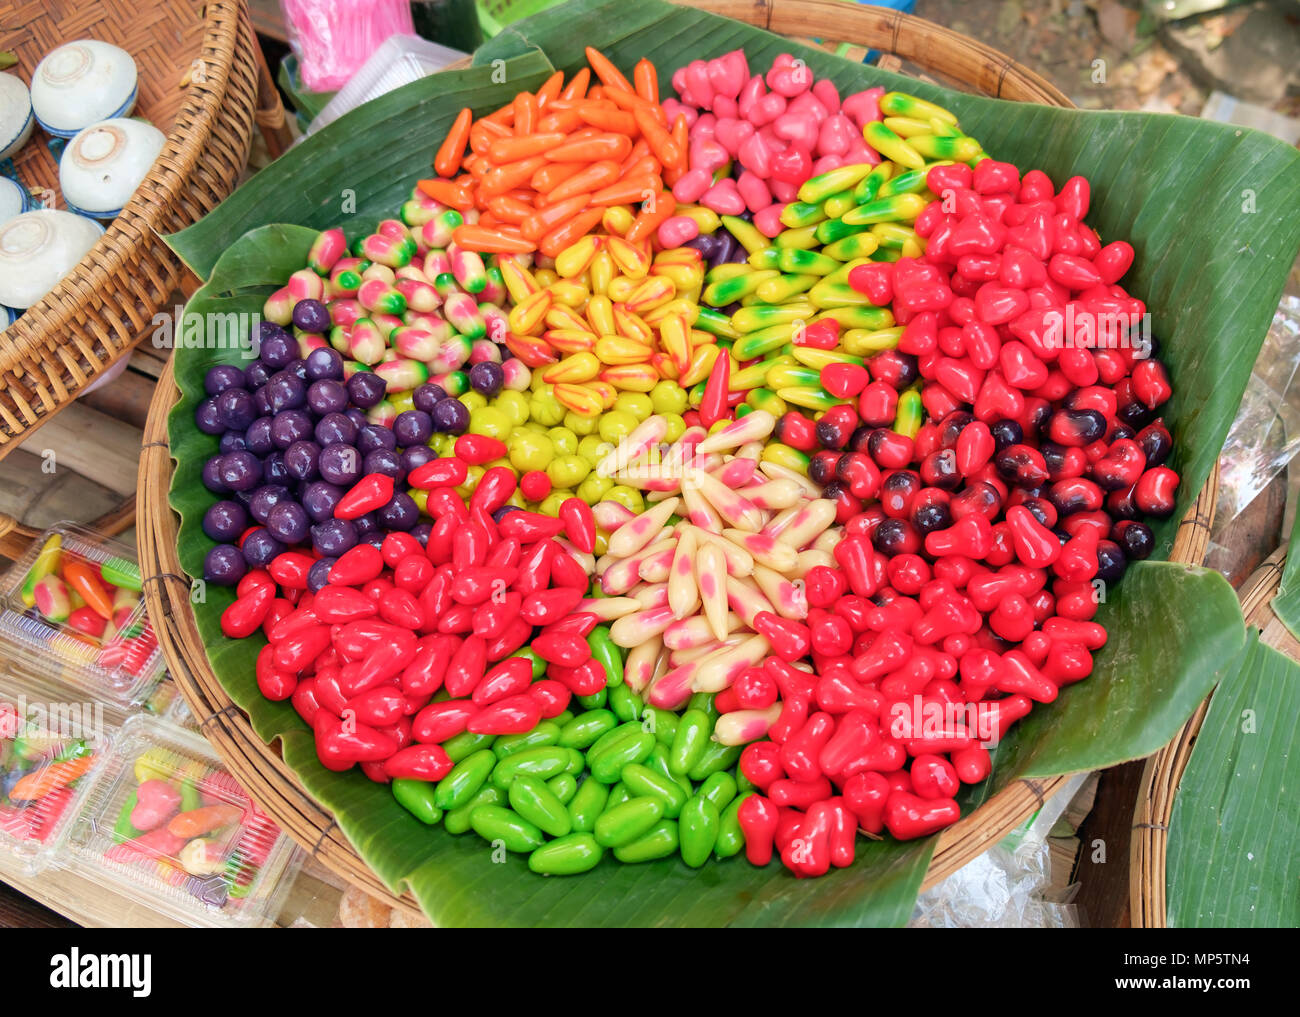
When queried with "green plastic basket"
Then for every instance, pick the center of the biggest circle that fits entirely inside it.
(494, 15)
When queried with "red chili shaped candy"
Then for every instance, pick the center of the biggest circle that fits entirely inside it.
(371, 492)
(419, 762)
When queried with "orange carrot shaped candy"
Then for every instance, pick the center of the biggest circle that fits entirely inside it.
(447, 161)
(610, 76)
(82, 578)
(50, 778)
(198, 822)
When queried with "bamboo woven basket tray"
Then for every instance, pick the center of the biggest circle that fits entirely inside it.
(1164, 770)
(167, 589)
(203, 83)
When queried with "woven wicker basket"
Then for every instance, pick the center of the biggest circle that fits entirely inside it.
(1164, 770)
(259, 767)
(203, 83)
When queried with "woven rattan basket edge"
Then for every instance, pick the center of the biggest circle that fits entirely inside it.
(259, 765)
(104, 306)
(1164, 770)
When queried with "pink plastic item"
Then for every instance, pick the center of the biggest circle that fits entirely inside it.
(333, 38)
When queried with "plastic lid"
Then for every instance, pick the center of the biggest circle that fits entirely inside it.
(72, 611)
(169, 826)
(51, 752)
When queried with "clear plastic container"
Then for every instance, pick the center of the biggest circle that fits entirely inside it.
(169, 826)
(72, 611)
(51, 753)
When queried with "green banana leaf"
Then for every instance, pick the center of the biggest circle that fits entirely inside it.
(1174, 630)
(1286, 603)
(1232, 860)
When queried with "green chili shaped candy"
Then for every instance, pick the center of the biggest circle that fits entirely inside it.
(564, 787)
(545, 762)
(720, 789)
(587, 804)
(533, 800)
(628, 822)
(607, 655)
(456, 821)
(417, 798)
(642, 781)
(690, 741)
(607, 766)
(697, 829)
(493, 823)
(660, 842)
(466, 743)
(731, 838)
(586, 728)
(715, 758)
(544, 734)
(625, 703)
(567, 856)
(465, 779)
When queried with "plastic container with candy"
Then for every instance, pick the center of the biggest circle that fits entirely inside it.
(72, 611)
(166, 824)
(50, 754)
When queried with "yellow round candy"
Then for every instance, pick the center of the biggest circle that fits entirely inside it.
(545, 410)
(629, 497)
(421, 499)
(472, 476)
(593, 449)
(568, 471)
(668, 397)
(636, 403)
(514, 405)
(490, 421)
(530, 450)
(579, 424)
(564, 440)
(676, 427)
(616, 425)
(551, 503)
(473, 401)
(402, 401)
(594, 488)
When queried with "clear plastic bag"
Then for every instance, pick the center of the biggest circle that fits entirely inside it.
(1007, 887)
(1265, 435)
(332, 38)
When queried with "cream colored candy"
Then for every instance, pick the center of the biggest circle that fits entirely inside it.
(752, 427)
(683, 593)
(718, 671)
(743, 726)
(711, 578)
(639, 667)
(695, 631)
(634, 629)
(812, 520)
(632, 536)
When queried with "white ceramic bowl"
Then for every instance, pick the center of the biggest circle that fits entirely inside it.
(14, 199)
(15, 114)
(104, 164)
(81, 83)
(39, 248)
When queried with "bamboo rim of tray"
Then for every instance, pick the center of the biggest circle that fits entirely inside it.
(259, 767)
(1149, 844)
(203, 79)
